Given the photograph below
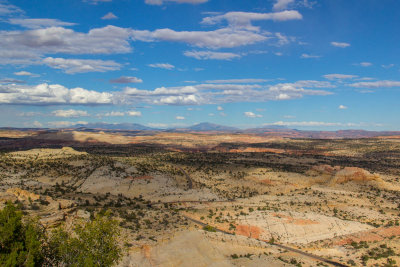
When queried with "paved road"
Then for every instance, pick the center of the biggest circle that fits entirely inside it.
(275, 244)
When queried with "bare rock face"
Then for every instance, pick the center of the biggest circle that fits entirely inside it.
(338, 175)
(22, 194)
(354, 174)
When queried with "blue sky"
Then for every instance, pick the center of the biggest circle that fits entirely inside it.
(305, 64)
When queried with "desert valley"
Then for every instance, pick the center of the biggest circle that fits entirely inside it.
(215, 198)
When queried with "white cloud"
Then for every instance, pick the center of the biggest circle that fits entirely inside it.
(211, 55)
(28, 47)
(340, 44)
(114, 114)
(220, 108)
(339, 76)
(282, 4)
(304, 55)
(363, 64)
(388, 66)
(289, 116)
(39, 23)
(250, 114)
(238, 81)
(242, 20)
(24, 73)
(37, 124)
(69, 113)
(51, 94)
(8, 9)
(109, 15)
(95, 2)
(166, 66)
(160, 2)
(72, 66)
(179, 117)
(179, 100)
(231, 87)
(376, 84)
(342, 107)
(161, 91)
(134, 113)
(221, 38)
(11, 80)
(29, 114)
(126, 79)
(313, 124)
(157, 125)
(225, 93)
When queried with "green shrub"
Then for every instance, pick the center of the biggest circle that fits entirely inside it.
(20, 243)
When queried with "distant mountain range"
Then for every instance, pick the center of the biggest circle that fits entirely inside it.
(115, 126)
(268, 130)
(206, 127)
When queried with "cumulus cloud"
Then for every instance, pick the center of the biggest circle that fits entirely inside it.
(165, 66)
(342, 107)
(226, 93)
(230, 87)
(211, 55)
(27, 47)
(238, 81)
(221, 38)
(132, 113)
(51, 94)
(39, 23)
(109, 15)
(161, 2)
(179, 117)
(250, 114)
(179, 100)
(161, 91)
(69, 113)
(377, 84)
(340, 44)
(219, 93)
(72, 66)
(10, 80)
(282, 4)
(126, 79)
(242, 20)
(336, 76)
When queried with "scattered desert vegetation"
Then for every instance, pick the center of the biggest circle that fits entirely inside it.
(264, 202)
